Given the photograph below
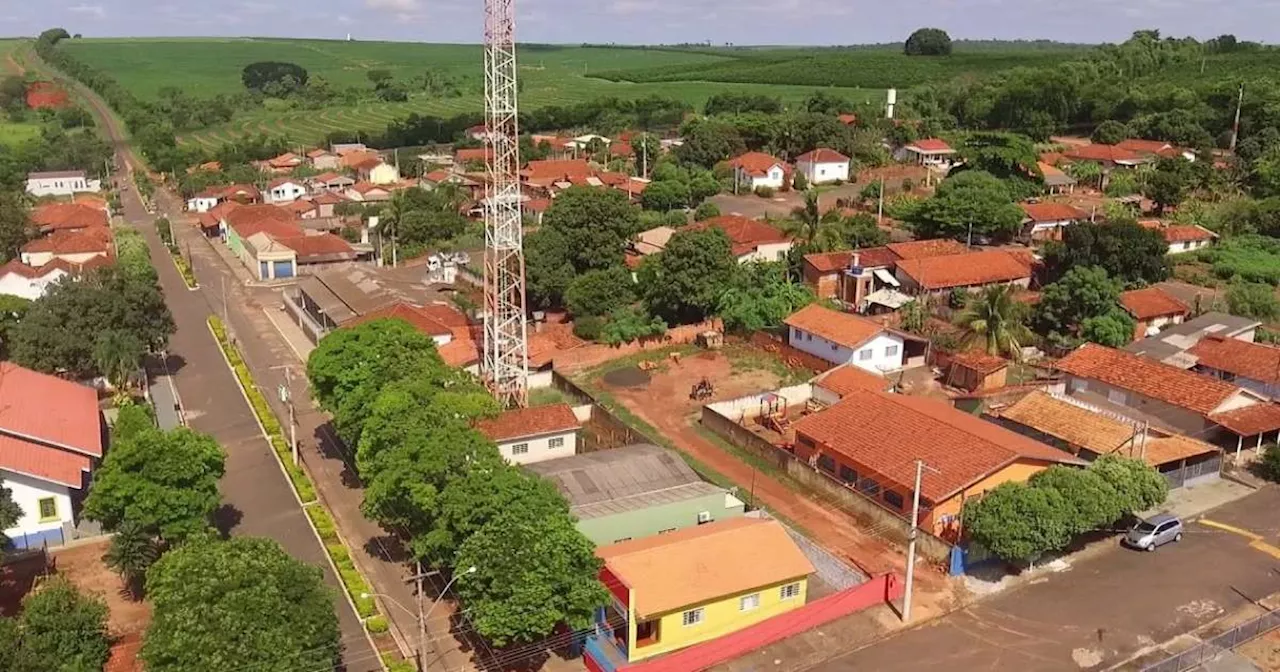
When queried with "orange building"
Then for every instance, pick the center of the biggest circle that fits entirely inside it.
(871, 441)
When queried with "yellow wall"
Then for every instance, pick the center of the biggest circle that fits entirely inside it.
(1018, 471)
(722, 617)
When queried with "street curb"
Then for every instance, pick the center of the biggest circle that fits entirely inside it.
(314, 532)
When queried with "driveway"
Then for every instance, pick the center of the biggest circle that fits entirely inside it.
(1101, 611)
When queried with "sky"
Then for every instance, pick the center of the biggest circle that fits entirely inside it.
(651, 21)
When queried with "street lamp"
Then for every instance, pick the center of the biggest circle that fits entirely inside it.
(422, 618)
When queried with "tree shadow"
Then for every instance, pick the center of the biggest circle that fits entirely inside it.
(330, 447)
(388, 548)
(226, 518)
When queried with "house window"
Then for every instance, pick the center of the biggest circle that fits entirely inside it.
(520, 449)
(864, 355)
(669, 529)
(808, 336)
(789, 591)
(893, 499)
(827, 464)
(848, 475)
(749, 602)
(869, 487)
(891, 351)
(693, 616)
(619, 541)
(557, 442)
(48, 509)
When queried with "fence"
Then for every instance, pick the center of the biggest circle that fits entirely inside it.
(597, 353)
(892, 525)
(602, 431)
(792, 356)
(1210, 648)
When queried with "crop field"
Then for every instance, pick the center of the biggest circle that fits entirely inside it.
(550, 75)
(12, 133)
(10, 56)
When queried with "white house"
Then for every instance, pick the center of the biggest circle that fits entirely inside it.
(51, 437)
(823, 165)
(1187, 237)
(285, 190)
(750, 239)
(60, 183)
(528, 435)
(844, 338)
(928, 152)
(754, 170)
(21, 280)
(206, 200)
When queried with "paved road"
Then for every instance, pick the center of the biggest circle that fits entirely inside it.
(257, 496)
(1101, 611)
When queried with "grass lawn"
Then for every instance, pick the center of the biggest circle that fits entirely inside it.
(14, 133)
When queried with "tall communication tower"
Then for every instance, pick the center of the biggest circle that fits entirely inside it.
(506, 359)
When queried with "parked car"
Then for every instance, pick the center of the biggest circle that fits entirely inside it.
(1153, 532)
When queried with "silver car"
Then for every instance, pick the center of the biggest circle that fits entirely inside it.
(1154, 531)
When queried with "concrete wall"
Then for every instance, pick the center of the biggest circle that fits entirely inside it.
(1180, 419)
(27, 493)
(747, 408)
(893, 526)
(770, 252)
(30, 289)
(651, 520)
(873, 356)
(540, 448)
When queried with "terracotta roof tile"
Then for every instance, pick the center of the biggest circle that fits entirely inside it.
(320, 245)
(1144, 146)
(250, 219)
(887, 433)
(1250, 420)
(965, 270)
(49, 410)
(1256, 361)
(669, 571)
(846, 329)
(757, 164)
(557, 169)
(1150, 303)
(83, 241)
(871, 257)
(822, 155)
(931, 145)
(845, 379)
(923, 249)
(1098, 152)
(526, 422)
(414, 315)
(1148, 377)
(41, 461)
(63, 216)
(472, 154)
(1052, 212)
(1184, 233)
(460, 352)
(980, 361)
(745, 235)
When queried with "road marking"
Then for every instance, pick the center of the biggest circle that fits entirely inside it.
(1255, 540)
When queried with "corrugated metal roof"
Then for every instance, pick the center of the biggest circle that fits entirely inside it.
(623, 479)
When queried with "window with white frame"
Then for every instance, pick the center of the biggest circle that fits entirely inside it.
(557, 442)
(891, 351)
(520, 449)
(865, 354)
(749, 602)
(693, 616)
(789, 591)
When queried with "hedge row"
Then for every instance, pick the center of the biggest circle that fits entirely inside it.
(306, 491)
(357, 587)
(184, 269)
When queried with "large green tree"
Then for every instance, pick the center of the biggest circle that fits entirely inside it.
(164, 482)
(683, 283)
(10, 512)
(1140, 487)
(600, 292)
(928, 42)
(1111, 132)
(596, 224)
(1005, 155)
(761, 295)
(1125, 250)
(1084, 292)
(60, 330)
(996, 321)
(708, 142)
(15, 227)
(548, 268)
(242, 603)
(1018, 522)
(972, 200)
(533, 572)
(1091, 501)
(59, 630)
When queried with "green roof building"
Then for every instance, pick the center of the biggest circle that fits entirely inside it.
(636, 491)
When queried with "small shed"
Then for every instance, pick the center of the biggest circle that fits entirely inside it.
(977, 371)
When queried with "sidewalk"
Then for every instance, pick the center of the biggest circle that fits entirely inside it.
(164, 395)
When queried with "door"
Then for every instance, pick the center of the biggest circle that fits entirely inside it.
(1164, 533)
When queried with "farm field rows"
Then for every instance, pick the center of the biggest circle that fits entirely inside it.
(551, 75)
(12, 133)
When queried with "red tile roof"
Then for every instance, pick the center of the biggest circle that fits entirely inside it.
(246, 191)
(1184, 233)
(1150, 303)
(621, 148)
(931, 145)
(923, 249)
(1052, 212)
(85, 241)
(472, 154)
(527, 422)
(849, 378)
(965, 270)
(324, 244)
(1147, 377)
(366, 187)
(887, 433)
(328, 198)
(416, 316)
(368, 164)
(317, 153)
(300, 206)
(557, 169)
(64, 216)
(1250, 420)
(979, 361)
(286, 160)
(822, 155)
(757, 164)
(460, 352)
(746, 235)
(1144, 146)
(275, 221)
(846, 329)
(38, 460)
(1255, 361)
(1095, 152)
(50, 410)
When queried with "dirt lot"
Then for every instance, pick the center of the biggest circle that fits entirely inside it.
(663, 402)
(128, 620)
(16, 579)
(1263, 651)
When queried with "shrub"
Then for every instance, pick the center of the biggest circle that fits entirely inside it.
(765, 192)
(1270, 463)
(376, 625)
(706, 210)
(799, 182)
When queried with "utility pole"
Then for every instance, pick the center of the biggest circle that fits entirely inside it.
(911, 543)
(880, 206)
(970, 244)
(286, 396)
(1235, 128)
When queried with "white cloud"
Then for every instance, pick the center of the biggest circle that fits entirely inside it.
(96, 11)
(396, 6)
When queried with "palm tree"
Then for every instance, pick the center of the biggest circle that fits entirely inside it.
(813, 231)
(996, 321)
(118, 355)
(131, 552)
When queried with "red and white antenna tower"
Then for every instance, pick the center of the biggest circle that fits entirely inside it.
(506, 345)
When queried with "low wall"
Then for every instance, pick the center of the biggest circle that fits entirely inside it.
(792, 356)
(600, 429)
(748, 407)
(598, 353)
(890, 524)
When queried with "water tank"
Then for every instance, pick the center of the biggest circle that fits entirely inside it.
(893, 97)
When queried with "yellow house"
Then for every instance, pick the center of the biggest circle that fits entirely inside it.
(871, 441)
(677, 589)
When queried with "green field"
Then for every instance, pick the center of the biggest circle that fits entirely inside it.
(13, 133)
(550, 75)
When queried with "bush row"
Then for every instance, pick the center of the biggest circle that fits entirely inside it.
(356, 586)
